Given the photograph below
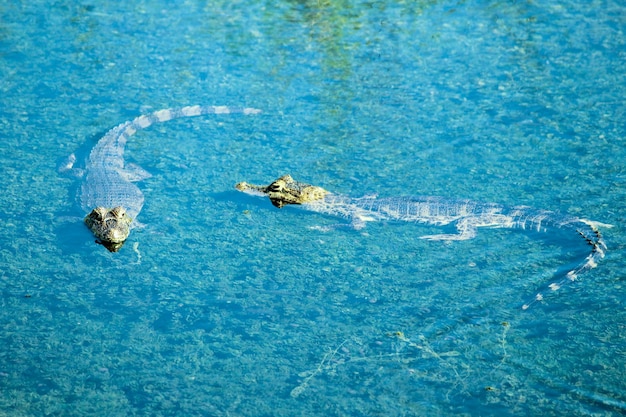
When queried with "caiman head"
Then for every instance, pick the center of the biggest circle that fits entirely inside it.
(284, 191)
(110, 226)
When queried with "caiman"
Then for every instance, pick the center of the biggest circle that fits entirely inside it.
(107, 192)
(466, 215)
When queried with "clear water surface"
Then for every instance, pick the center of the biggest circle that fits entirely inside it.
(223, 305)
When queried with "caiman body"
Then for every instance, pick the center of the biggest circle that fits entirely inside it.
(107, 192)
(466, 215)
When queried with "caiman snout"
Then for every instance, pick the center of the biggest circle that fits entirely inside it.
(117, 235)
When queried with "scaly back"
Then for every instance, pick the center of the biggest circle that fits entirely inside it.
(108, 180)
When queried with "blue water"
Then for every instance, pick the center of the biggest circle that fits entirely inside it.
(223, 305)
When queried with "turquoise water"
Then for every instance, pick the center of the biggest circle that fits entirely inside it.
(223, 305)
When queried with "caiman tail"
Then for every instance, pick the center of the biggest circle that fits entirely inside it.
(588, 230)
(129, 128)
(109, 150)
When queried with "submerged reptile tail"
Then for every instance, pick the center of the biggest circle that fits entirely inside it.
(127, 129)
(109, 150)
(161, 116)
(588, 230)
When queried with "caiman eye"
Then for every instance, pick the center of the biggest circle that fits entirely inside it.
(119, 211)
(99, 213)
(275, 188)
